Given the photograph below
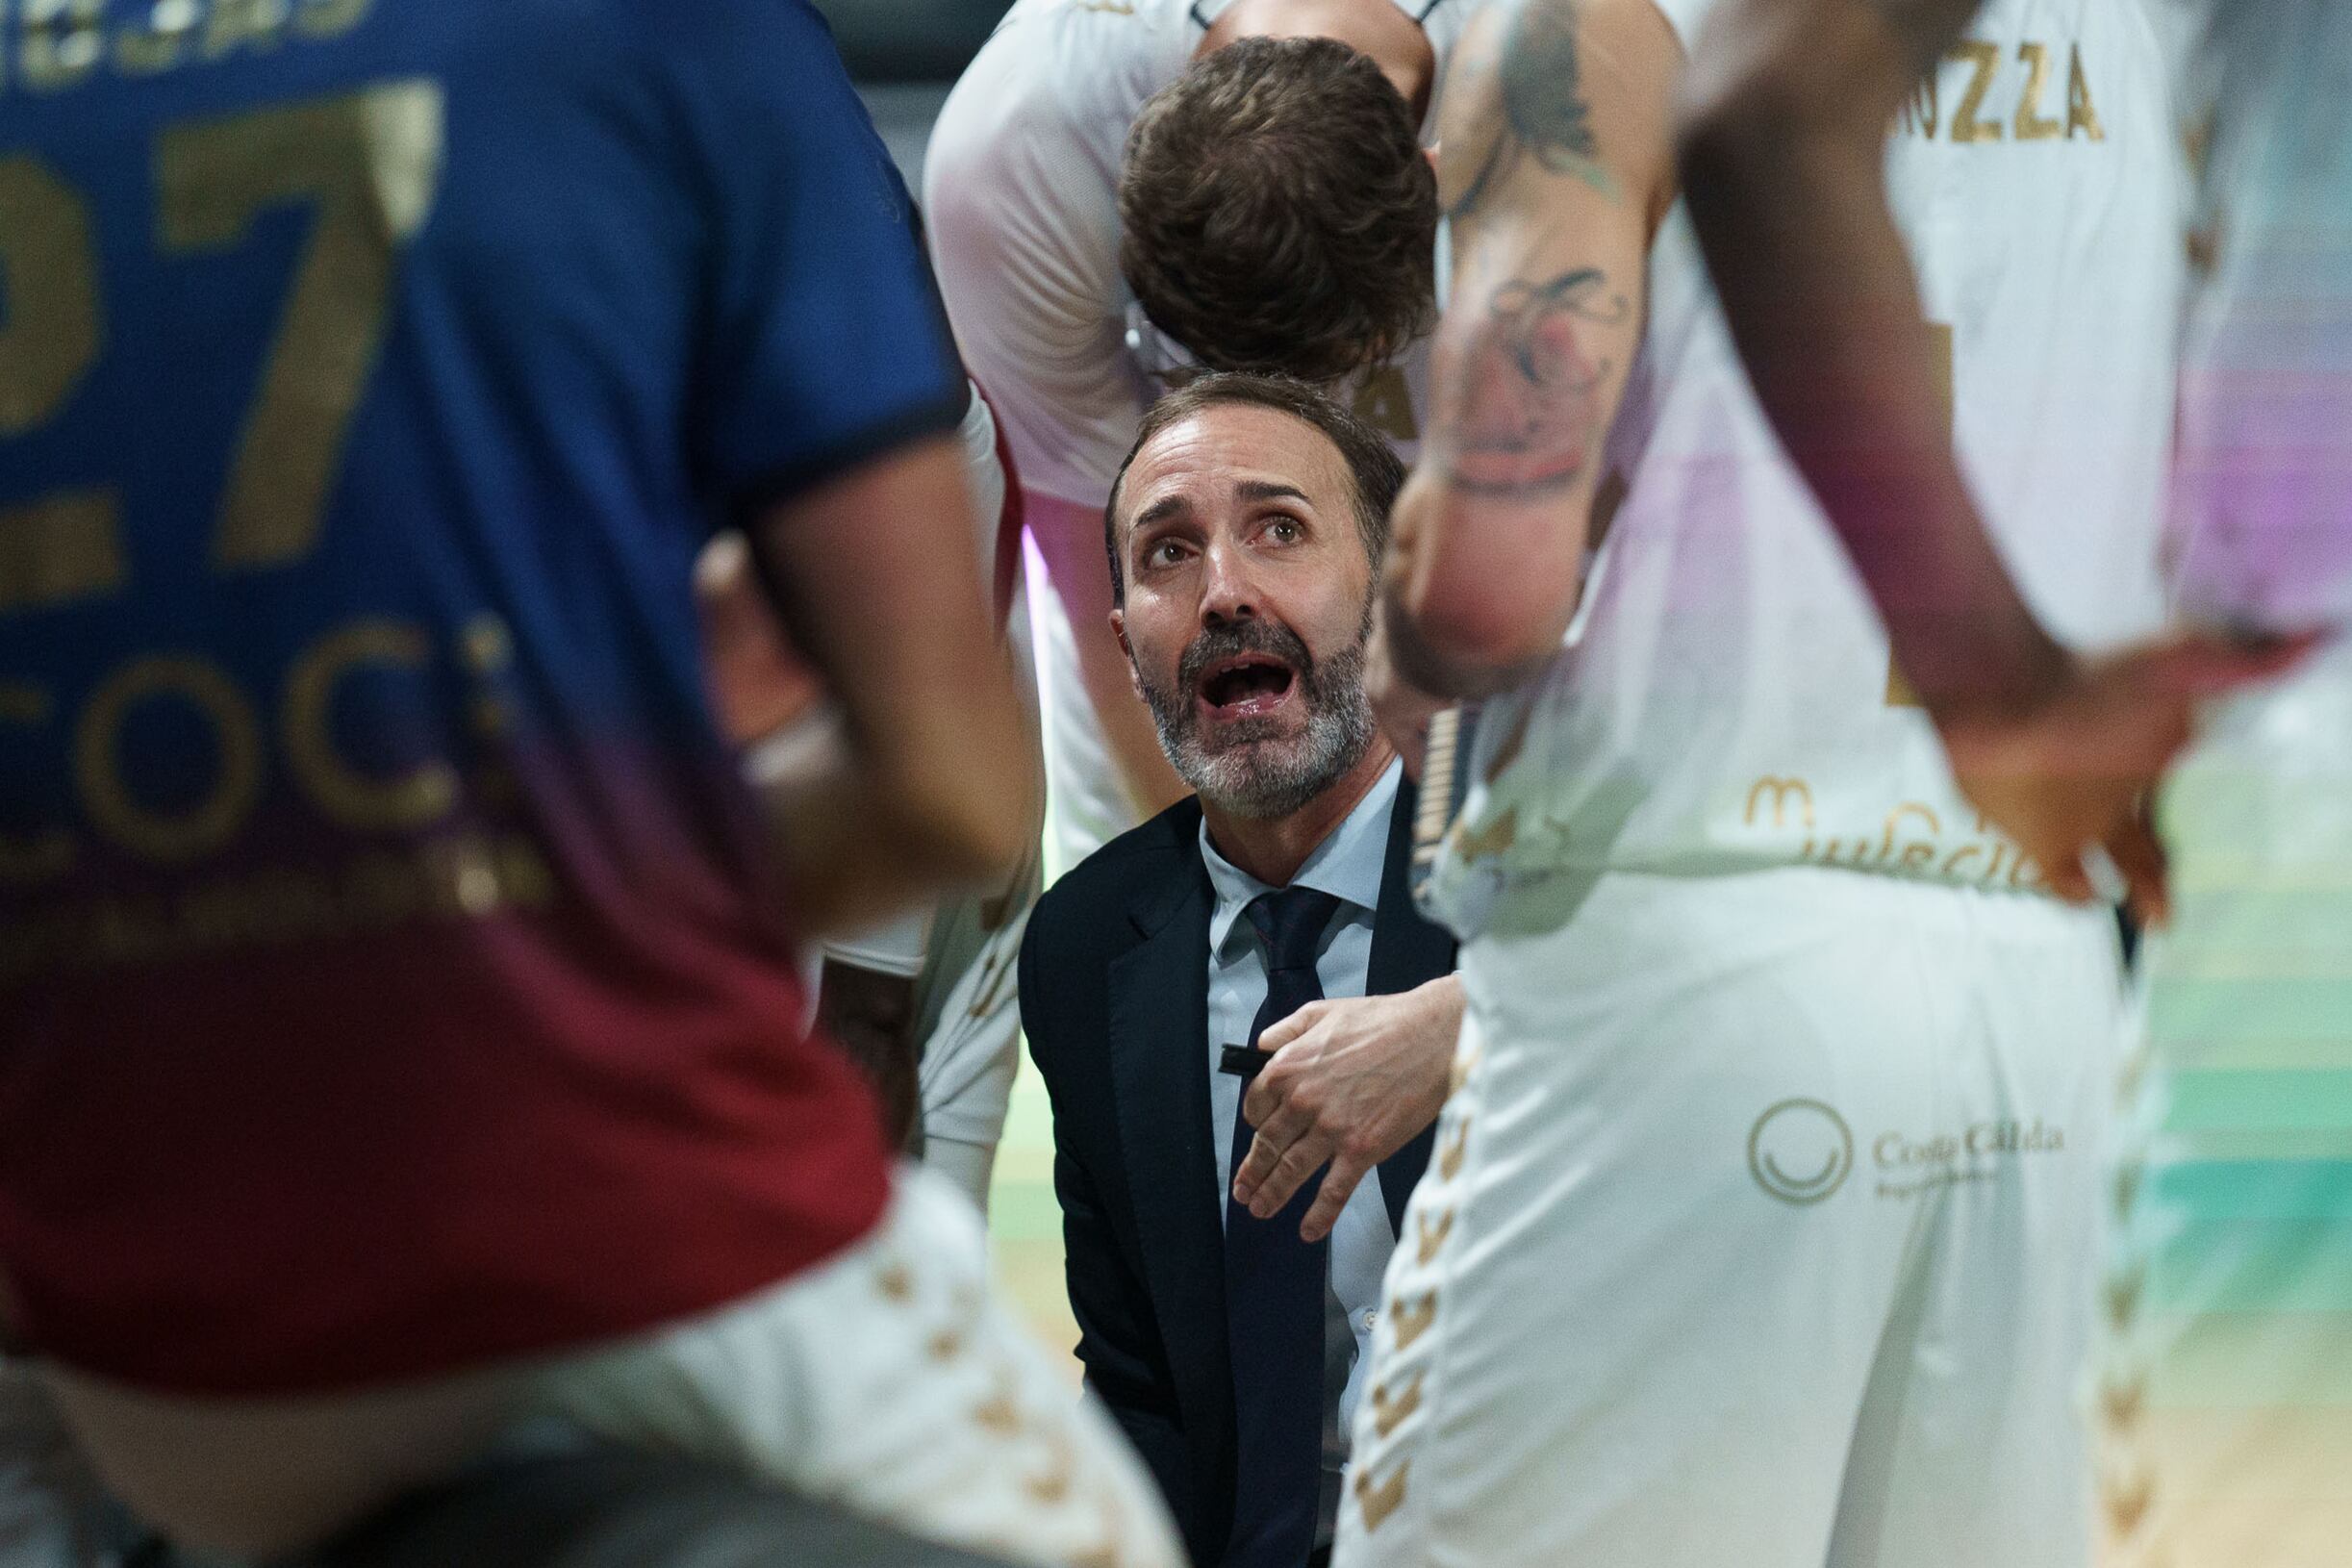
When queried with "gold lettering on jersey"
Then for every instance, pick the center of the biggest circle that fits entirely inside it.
(2081, 114)
(237, 24)
(1966, 125)
(1380, 1500)
(1410, 1321)
(54, 328)
(1450, 1154)
(330, 18)
(160, 42)
(193, 832)
(47, 853)
(64, 547)
(470, 877)
(370, 162)
(1495, 838)
(2122, 1404)
(63, 45)
(1052, 1486)
(2197, 142)
(1922, 113)
(2122, 1291)
(1782, 791)
(63, 41)
(488, 645)
(2127, 1501)
(1912, 841)
(1917, 854)
(327, 781)
(1388, 1411)
(2031, 125)
(419, 797)
(1985, 116)
(1385, 402)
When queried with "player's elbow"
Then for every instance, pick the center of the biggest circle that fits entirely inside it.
(1475, 639)
(1475, 651)
(1479, 595)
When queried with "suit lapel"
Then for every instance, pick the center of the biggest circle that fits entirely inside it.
(1406, 951)
(1158, 994)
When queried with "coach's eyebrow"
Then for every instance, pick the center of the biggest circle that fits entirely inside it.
(1262, 490)
(1159, 510)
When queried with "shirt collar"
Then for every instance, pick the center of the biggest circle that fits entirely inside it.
(1349, 864)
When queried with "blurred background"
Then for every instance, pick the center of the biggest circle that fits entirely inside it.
(904, 56)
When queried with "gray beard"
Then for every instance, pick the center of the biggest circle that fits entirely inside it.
(1244, 776)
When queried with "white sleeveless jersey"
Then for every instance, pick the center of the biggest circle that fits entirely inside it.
(2263, 509)
(1021, 192)
(1724, 700)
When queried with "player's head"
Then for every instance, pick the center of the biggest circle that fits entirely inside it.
(1245, 530)
(1276, 211)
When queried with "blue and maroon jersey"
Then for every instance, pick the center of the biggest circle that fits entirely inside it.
(391, 976)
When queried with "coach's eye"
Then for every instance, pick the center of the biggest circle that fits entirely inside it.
(1286, 530)
(1165, 553)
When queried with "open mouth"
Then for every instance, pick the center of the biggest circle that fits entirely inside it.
(1246, 686)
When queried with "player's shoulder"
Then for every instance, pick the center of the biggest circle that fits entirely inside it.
(1088, 909)
(1070, 71)
(691, 24)
(764, 49)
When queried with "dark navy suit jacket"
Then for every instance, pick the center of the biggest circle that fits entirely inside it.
(1114, 998)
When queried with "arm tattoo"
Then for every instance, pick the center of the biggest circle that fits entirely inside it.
(1543, 104)
(1530, 419)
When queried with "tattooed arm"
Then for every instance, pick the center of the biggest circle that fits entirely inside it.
(1557, 165)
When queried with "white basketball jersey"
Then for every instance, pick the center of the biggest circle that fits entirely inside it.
(2263, 510)
(1724, 698)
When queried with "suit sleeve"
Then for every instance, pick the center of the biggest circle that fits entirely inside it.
(1118, 1343)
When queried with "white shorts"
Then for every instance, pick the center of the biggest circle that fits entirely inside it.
(888, 1381)
(892, 1383)
(1761, 1229)
(2226, 1388)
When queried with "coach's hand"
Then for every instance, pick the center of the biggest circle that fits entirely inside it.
(1352, 1081)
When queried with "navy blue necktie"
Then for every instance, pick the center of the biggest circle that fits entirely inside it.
(1273, 1290)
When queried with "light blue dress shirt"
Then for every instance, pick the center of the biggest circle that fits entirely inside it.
(1348, 866)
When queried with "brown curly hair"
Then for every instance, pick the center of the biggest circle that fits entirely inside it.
(1276, 214)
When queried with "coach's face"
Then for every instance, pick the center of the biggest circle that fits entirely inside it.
(1248, 601)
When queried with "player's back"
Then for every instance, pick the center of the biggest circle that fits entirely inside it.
(1727, 703)
(387, 974)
